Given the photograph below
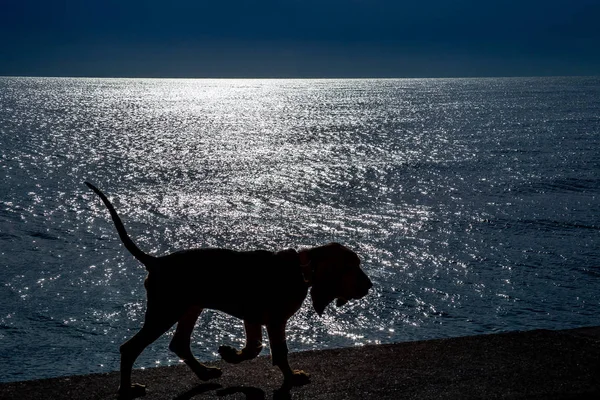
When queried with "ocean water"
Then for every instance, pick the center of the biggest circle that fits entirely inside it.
(474, 205)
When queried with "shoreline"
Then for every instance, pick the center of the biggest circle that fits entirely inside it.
(538, 364)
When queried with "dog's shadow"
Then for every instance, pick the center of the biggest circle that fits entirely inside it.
(201, 388)
(251, 393)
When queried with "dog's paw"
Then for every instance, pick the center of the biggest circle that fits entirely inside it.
(231, 355)
(135, 390)
(298, 378)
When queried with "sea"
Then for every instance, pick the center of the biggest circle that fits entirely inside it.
(474, 205)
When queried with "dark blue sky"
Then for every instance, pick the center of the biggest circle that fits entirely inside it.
(293, 38)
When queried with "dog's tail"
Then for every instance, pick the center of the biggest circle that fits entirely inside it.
(144, 258)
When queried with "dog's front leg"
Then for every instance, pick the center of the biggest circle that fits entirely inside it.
(279, 353)
(252, 348)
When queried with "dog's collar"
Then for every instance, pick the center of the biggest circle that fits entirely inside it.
(308, 272)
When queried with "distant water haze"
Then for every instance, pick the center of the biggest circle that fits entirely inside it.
(474, 205)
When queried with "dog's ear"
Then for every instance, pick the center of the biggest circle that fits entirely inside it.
(321, 297)
(334, 266)
(323, 290)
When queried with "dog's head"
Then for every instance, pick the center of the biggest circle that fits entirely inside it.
(336, 276)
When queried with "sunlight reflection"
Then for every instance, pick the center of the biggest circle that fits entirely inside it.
(258, 164)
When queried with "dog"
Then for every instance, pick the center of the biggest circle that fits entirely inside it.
(260, 287)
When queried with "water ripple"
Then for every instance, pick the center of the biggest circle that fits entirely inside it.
(473, 204)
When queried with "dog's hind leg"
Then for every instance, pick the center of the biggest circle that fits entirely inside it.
(252, 348)
(180, 345)
(154, 326)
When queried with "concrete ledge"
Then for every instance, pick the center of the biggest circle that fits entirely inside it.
(520, 365)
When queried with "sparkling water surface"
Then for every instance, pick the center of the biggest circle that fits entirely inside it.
(473, 204)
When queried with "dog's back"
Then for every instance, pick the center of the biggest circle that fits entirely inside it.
(251, 285)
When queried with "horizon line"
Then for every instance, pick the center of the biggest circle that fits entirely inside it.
(296, 77)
